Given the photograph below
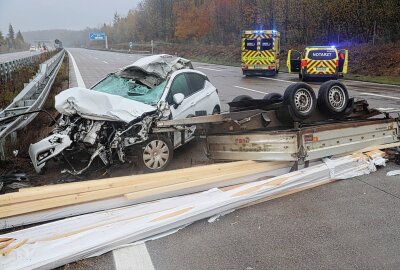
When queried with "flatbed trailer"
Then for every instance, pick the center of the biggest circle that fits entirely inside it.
(258, 135)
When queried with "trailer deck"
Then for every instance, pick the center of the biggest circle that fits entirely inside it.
(257, 134)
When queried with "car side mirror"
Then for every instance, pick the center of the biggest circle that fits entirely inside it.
(178, 98)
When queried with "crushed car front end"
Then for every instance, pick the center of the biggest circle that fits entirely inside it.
(114, 115)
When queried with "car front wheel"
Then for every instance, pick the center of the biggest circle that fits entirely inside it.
(156, 153)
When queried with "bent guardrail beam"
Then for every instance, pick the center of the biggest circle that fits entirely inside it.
(32, 97)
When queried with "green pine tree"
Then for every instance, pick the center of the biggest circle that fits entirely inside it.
(11, 36)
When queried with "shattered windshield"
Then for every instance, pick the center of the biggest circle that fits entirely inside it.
(131, 89)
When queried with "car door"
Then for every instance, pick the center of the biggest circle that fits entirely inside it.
(343, 60)
(179, 84)
(293, 61)
(201, 93)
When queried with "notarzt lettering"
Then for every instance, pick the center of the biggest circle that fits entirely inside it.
(322, 54)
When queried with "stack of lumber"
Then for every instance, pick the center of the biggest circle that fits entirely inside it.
(57, 243)
(37, 204)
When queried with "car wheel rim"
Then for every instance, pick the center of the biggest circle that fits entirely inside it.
(337, 98)
(303, 100)
(155, 154)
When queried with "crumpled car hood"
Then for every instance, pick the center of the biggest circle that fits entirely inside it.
(160, 65)
(99, 106)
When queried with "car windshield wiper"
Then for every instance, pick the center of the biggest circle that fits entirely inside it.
(135, 94)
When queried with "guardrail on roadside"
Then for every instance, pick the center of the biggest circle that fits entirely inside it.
(7, 68)
(32, 97)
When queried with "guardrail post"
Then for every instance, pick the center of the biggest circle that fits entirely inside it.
(13, 136)
(2, 149)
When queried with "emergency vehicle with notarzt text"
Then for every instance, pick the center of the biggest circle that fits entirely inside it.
(260, 52)
(324, 62)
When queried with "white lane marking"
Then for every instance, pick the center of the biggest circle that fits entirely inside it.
(135, 257)
(377, 95)
(210, 69)
(105, 62)
(275, 79)
(248, 89)
(78, 75)
(373, 83)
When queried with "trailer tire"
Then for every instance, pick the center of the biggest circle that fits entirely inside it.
(300, 100)
(333, 98)
(241, 98)
(156, 153)
(273, 97)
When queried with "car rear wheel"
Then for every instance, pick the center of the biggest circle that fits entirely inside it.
(156, 153)
(216, 110)
(333, 98)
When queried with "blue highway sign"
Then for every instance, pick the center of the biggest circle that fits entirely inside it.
(97, 36)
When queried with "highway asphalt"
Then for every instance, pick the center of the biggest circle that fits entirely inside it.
(350, 224)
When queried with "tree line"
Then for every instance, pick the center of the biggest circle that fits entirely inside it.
(301, 22)
(13, 41)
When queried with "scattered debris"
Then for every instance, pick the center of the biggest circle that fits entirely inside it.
(216, 217)
(393, 173)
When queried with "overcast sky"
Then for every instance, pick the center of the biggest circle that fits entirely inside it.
(27, 15)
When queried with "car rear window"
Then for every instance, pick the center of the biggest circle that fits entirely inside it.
(322, 54)
(267, 44)
(251, 44)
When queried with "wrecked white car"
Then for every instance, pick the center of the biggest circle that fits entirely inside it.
(114, 120)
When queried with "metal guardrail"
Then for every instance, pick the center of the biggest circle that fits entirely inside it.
(7, 68)
(32, 97)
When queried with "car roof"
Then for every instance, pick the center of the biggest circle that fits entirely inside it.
(161, 64)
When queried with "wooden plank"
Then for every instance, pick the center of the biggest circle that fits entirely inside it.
(120, 180)
(288, 193)
(194, 186)
(152, 187)
(7, 251)
(5, 244)
(116, 202)
(140, 180)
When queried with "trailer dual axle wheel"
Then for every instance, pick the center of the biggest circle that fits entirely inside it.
(273, 97)
(333, 98)
(300, 102)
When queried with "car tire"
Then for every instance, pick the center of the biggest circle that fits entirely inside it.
(273, 97)
(156, 153)
(241, 98)
(300, 102)
(333, 98)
